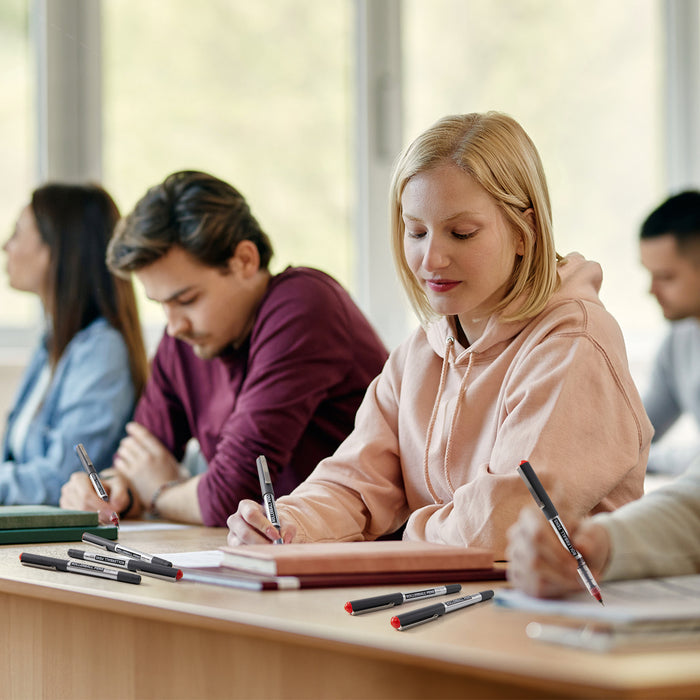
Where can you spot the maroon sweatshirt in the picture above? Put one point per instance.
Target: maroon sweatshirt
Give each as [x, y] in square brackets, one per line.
[289, 392]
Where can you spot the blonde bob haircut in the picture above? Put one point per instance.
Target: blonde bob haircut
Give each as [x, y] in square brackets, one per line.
[495, 150]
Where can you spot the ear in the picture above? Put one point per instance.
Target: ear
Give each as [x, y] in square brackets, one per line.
[245, 259]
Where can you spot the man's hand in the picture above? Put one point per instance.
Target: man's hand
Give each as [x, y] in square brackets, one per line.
[249, 525]
[538, 563]
[144, 462]
[78, 493]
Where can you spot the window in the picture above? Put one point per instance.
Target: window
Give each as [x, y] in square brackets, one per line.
[258, 95]
[18, 312]
[587, 85]
[262, 94]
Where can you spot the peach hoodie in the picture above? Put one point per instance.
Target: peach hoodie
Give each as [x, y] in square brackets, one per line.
[441, 430]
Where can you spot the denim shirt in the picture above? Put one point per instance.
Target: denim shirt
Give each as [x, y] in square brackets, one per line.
[89, 400]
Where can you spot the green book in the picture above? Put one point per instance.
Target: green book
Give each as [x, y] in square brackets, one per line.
[24, 517]
[56, 534]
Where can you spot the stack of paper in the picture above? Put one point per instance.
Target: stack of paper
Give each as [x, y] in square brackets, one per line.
[643, 612]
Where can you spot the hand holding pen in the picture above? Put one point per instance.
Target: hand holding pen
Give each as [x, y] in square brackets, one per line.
[543, 501]
[89, 467]
[540, 566]
[256, 524]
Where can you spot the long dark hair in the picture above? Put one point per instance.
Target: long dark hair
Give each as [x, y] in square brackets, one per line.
[76, 222]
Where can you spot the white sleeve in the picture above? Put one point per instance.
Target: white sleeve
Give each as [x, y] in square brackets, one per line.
[659, 534]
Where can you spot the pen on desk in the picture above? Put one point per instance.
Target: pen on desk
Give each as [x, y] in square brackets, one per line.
[77, 567]
[168, 573]
[89, 467]
[119, 549]
[381, 602]
[432, 612]
[268, 495]
[535, 487]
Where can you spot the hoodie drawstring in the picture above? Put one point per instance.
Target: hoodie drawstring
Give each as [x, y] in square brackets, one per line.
[453, 423]
[449, 349]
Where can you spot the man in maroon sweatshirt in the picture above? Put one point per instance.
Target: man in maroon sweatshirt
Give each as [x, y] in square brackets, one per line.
[251, 363]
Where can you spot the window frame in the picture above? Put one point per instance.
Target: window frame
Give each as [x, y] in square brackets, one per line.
[69, 121]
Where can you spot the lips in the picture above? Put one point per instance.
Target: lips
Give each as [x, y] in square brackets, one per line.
[441, 286]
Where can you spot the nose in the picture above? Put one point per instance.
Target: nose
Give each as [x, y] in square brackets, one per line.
[177, 323]
[435, 255]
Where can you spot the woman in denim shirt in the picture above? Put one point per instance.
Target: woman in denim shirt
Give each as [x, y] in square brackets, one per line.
[83, 380]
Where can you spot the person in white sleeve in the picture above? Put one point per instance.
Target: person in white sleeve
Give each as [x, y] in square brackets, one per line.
[657, 535]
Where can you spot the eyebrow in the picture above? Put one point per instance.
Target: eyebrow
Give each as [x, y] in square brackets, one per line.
[174, 295]
[458, 215]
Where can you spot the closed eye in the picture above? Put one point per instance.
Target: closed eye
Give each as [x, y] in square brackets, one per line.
[464, 236]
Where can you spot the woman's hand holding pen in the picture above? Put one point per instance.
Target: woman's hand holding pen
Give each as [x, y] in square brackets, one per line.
[540, 566]
[250, 525]
[78, 493]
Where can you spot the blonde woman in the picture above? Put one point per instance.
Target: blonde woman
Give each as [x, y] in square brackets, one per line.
[516, 358]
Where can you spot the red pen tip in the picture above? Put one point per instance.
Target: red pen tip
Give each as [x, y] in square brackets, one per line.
[597, 595]
[395, 622]
[348, 607]
[115, 519]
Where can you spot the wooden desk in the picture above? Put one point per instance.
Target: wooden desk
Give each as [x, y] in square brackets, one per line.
[68, 636]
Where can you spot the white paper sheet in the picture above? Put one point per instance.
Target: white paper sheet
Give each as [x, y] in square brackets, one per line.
[636, 602]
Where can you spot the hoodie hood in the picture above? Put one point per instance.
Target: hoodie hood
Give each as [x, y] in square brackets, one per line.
[579, 279]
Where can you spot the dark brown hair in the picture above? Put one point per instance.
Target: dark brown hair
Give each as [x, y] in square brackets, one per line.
[196, 211]
[76, 222]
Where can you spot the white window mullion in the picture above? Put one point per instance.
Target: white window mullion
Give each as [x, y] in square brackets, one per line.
[379, 139]
[682, 76]
[67, 40]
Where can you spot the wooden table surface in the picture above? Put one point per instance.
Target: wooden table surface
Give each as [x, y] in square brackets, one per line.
[74, 636]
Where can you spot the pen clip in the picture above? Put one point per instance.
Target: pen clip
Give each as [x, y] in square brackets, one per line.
[263, 472]
[386, 606]
[83, 456]
[419, 622]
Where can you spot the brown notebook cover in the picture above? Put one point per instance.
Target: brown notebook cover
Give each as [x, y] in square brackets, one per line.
[354, 558]
[223, 576]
